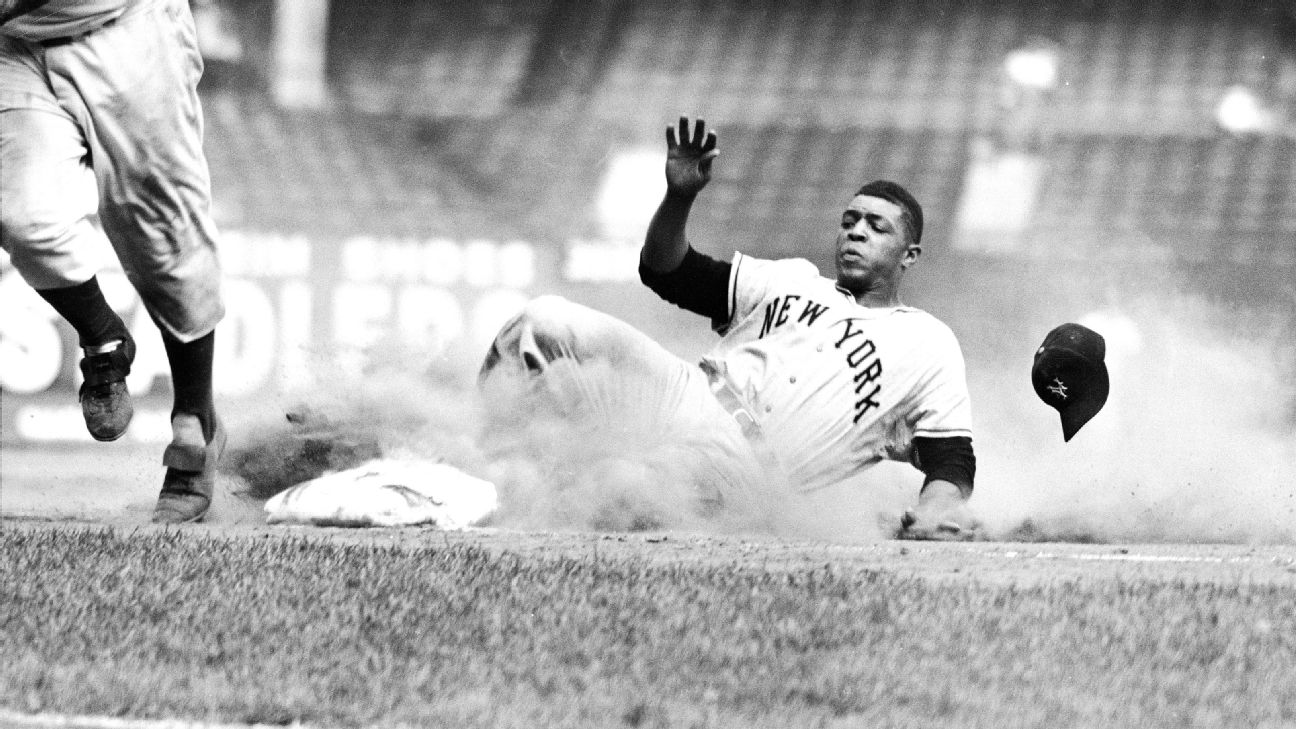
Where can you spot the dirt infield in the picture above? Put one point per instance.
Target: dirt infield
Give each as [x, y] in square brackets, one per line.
[1018, 563]
[101, 483]
[114, 485]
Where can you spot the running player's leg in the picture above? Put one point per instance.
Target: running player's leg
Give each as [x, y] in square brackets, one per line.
[48, 193]
[133, 87]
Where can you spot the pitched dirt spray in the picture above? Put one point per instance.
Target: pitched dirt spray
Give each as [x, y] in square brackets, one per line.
[1197, 443]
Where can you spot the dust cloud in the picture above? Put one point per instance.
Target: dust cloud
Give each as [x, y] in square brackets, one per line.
[1197, 441]
[1196, 444]
[556, 466]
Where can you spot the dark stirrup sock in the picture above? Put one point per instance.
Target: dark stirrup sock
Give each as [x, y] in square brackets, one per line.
[191, 378]
[86, 309]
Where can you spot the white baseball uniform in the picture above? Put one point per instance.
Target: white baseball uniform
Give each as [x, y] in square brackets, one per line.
[821, 386]
[834, 387]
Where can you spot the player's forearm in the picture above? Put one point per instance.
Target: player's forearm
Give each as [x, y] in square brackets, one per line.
[666, 243]
[10, 9]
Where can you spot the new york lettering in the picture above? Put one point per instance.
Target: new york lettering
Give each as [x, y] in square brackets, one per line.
[777, 310]
[862, 358]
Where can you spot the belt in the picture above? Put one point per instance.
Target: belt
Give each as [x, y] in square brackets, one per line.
[733, 404]
[64, 40]
[737, 409]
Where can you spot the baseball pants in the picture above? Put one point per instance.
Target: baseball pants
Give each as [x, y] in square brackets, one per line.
[585, 363]
[112, 121]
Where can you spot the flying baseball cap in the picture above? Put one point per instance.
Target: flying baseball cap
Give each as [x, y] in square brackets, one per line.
[1070, 375]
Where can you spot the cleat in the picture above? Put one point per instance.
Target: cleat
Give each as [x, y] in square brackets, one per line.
[105, 401]
[191, 471]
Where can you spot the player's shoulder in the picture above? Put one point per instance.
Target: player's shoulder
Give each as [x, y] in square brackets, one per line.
[792, 268]
[931, 327]
[921, 317]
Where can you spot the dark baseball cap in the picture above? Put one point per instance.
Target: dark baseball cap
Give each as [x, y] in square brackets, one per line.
[1070, 375]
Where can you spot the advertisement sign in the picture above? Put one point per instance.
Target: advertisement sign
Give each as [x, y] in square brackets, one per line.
[291, 299]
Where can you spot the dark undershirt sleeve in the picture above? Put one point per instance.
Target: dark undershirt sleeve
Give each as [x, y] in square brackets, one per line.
[700, 284]
[948, 459]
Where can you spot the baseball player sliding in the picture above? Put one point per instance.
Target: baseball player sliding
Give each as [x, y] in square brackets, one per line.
[102, 95]
[820, 378]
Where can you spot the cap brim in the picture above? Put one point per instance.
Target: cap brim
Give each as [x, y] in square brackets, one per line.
[1080, 411]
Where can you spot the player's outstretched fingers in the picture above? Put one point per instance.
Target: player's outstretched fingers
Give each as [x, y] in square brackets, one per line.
[699, 133]
[709, 153]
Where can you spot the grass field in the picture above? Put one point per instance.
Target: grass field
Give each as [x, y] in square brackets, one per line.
[422, 628]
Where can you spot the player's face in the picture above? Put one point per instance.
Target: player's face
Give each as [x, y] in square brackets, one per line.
[872, 244]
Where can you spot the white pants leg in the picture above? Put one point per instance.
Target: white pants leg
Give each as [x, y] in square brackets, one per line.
[129, 92]
[586, 365]
[47, 189]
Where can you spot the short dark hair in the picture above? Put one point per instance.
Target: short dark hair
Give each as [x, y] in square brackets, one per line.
[893, 192]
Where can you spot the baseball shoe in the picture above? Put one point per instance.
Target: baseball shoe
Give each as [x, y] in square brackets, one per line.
[191, 471]
[105, 401]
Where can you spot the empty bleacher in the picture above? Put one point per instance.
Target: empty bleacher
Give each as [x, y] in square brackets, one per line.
[495, 117]
[1127, 67]
[448, 58]
[333, 172]
[775, 185]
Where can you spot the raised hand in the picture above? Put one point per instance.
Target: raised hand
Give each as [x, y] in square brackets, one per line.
[689, 157]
